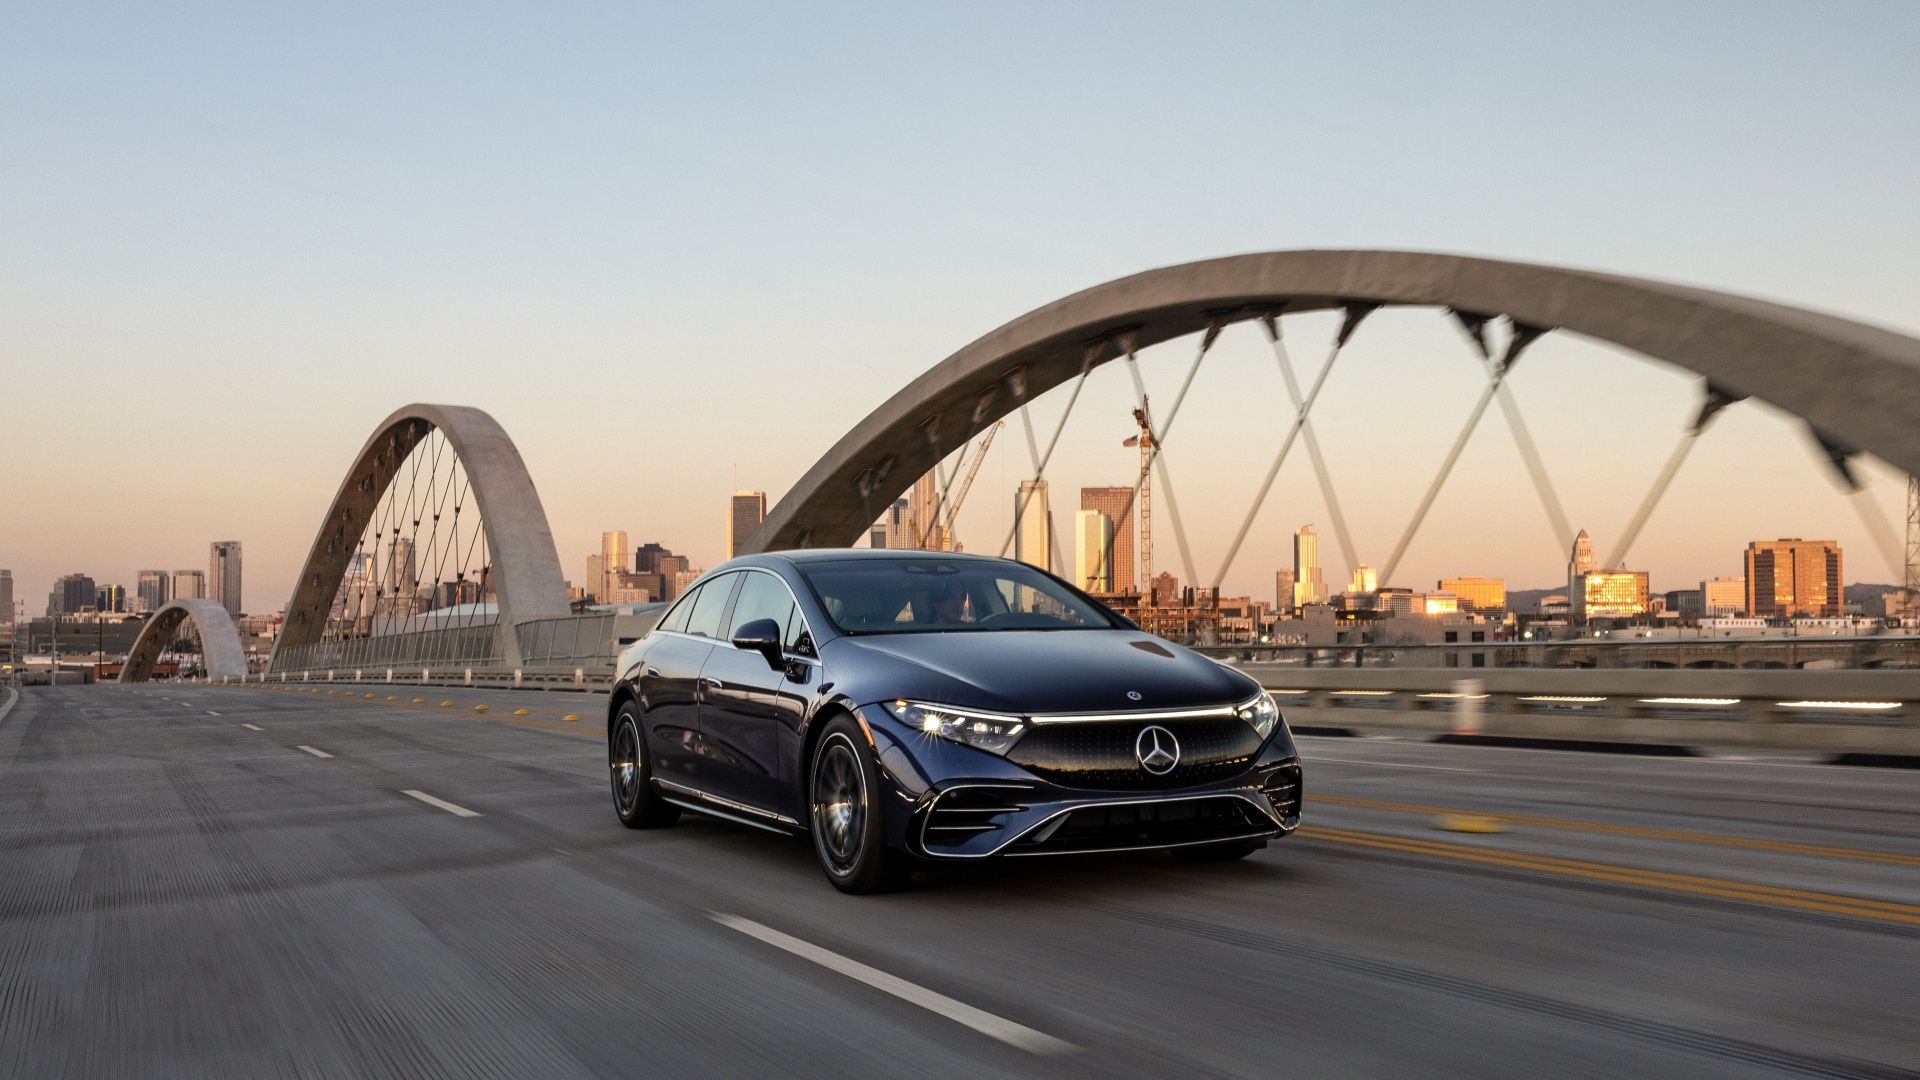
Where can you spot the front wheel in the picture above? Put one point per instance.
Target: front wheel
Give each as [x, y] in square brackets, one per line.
[843, 813]
[634, 799]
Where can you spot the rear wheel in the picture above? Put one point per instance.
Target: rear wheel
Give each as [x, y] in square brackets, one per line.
[1227, 851]
[639, 806]
[843, 813]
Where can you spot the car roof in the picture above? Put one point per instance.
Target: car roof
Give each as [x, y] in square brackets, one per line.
[802, 555]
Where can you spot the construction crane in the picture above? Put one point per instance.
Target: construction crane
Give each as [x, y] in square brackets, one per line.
[1144, 440]
[973, 470]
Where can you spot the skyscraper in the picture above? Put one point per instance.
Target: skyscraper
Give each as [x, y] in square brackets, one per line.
[110, 598]
[1309, 587]
[923, 509]
[223, 574]
[1579, 562]
[613, 562]
[71, 593]
[745, 511]
[1790, 577]
[1365, 579]
[1283, 590]
[189, 585]
[6, 597]
[1092, 547]
[1117, 504]
[1031, 542]
[152, 589]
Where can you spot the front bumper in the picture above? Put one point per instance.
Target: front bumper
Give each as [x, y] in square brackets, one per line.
[953, 802]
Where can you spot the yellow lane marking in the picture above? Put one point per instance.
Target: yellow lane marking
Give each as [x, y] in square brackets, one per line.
[1641, 831]
[519, 712]
[1773, 896]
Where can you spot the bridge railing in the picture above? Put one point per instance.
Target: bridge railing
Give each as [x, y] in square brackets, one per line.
[1890, 651]
[1815, 710]
[576, 650]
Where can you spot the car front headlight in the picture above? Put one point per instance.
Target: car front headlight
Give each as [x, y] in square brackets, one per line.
[1262, 713]
[993, 732]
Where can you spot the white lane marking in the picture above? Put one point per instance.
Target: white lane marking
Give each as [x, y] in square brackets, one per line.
[315, 753]
[253, 727]
[457, 811]
[959, 1012]
[210, 712]
[1388, 764]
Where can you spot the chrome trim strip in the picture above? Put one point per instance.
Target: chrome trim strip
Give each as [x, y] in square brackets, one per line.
[1150, 847]
[728, 803]
[1212, 712]
[714, 811]
[1265, 808]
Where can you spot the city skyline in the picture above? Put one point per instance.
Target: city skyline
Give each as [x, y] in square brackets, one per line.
[615, 263]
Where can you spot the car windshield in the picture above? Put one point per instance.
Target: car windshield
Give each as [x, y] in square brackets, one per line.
[935, 595]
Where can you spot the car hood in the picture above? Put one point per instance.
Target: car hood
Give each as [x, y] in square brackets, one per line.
[1034, 671]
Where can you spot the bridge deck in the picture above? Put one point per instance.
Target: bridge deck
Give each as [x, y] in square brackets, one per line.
[204, 881]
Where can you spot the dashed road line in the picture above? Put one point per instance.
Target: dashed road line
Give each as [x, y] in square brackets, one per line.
[315, 753]
[1017, 1035]
[451, 808]
[210, 712]
[253, 727]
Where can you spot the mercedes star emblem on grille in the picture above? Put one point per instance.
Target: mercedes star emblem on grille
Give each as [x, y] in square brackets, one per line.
[1157, 750]
[1133, 695]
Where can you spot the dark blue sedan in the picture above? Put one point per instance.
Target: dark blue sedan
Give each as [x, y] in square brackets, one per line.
[907, 707]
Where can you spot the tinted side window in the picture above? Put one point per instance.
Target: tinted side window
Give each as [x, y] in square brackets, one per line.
[704, 619]
[762, 596]
[676, 619]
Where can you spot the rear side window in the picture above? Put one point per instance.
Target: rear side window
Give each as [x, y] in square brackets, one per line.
[710, 605]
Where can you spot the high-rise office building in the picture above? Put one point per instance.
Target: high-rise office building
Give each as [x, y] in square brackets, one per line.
[1579, 561]
[110, 598]
[189, 585]
[745, 511]
[71, 594]
[1365, 579]
[1032, 542]
[1723, 596]
[1478, 593]
[1610, 594]
[612, 562]
[1309, 586]
[923, 507]
[1283, 590]
[223, 574]
[1790, 577]
[6, 597]
[1117, 504]
[152, 589]
[1092, 547]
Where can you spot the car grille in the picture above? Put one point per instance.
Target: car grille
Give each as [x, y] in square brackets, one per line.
[1100, 755]
[1144, 825]
[962, 813]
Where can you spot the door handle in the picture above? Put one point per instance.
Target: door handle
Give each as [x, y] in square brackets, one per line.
[713, 683]
[652, 672]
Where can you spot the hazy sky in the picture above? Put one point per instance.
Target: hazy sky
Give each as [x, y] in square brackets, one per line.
[671, 246]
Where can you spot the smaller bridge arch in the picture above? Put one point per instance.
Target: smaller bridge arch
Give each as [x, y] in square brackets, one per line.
[220, 647]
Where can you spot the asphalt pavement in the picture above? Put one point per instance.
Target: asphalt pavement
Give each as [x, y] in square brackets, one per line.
[208, 882]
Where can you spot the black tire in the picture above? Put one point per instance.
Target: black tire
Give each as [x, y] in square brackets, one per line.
[634, 799]
[843, 813]
[1227, 851]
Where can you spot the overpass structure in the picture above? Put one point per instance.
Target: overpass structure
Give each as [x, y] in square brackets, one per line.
[434, 561]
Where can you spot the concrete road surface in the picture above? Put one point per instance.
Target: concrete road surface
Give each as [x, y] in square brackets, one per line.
[201, 882]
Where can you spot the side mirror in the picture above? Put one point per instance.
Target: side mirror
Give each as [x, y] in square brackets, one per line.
[761, 636]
